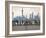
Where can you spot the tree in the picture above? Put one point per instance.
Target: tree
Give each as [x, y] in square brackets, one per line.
[17, 21]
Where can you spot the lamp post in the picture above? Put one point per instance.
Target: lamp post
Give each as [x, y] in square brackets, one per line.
[22, 16]
[32, 18]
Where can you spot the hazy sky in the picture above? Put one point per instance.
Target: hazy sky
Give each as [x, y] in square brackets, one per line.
[17, 11]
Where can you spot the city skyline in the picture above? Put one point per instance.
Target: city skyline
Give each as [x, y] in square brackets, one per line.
[26, 12]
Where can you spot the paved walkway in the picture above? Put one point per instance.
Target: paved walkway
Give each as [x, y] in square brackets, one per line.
[22, 28]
